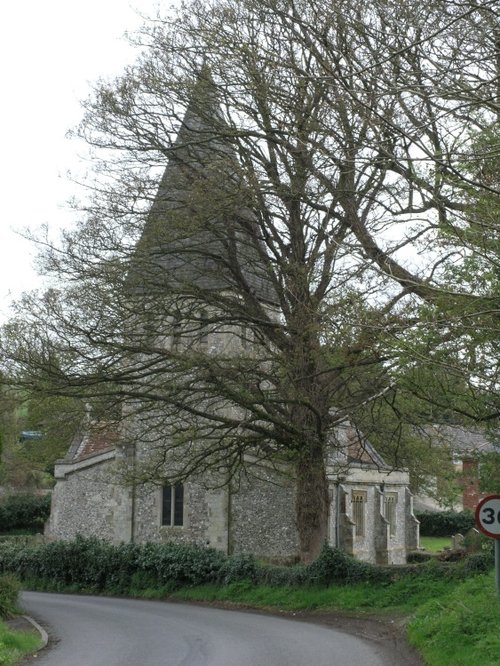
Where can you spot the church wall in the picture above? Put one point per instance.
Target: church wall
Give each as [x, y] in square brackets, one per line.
[256, 517]
[262, 517]
[397, 544]
[363, 547]
[412, 525]
[89, 501]
[376, 544]
[205, 517]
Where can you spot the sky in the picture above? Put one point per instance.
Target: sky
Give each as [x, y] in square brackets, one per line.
[50, 54]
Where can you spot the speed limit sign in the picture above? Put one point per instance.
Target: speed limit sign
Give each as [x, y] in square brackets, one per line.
[488, 516]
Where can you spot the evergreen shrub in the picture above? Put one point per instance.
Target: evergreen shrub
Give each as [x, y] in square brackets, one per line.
[336, 566]
[98, 565]
[445, 523]
[478, 563]
[180, 563]
[25, 511]
[238, 567]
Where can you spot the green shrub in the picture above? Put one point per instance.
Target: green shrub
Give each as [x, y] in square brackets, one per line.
[238, 567]
[332, 566]
[88, 563]
[9, 591]
[336, 566]
[182, 564]
[445, 523]
[478, 563]
[24, 512]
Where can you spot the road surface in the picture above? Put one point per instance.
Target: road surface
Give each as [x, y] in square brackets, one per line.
[100, 631]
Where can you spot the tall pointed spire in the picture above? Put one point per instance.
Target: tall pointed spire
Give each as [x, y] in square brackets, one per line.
[200, 231]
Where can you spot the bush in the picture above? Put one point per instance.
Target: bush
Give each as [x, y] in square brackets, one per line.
[336, 566]
[478, 563]
[9, 591]
[180, 564]
[238, 567]
[445, 523]
[24, 512]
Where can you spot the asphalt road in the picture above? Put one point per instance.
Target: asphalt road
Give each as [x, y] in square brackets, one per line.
[100, 631]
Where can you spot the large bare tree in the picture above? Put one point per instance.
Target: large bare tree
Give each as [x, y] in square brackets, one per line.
[318, 192]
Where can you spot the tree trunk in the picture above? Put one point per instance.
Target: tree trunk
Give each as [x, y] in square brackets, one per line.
[312, 502]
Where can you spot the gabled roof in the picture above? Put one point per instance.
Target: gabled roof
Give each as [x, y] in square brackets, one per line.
[90, 441]
[355, 449]
[200, 234]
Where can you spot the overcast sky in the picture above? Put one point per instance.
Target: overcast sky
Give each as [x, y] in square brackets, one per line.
[50, 53]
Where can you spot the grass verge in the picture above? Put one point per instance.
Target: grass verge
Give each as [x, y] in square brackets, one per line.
[451, 623]
[401, 597]
[460, 628]
[14, 645]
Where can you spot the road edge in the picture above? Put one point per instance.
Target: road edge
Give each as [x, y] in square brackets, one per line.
[43, 634]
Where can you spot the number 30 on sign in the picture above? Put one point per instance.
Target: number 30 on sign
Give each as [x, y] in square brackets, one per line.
[488, 516]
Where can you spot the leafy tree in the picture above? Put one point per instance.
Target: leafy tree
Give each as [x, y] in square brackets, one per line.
[313, 181]
[489, 472]
[28, 463]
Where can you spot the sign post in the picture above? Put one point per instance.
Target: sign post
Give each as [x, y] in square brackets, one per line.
[488, 522]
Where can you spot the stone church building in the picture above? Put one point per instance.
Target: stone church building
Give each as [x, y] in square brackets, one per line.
[371, 514]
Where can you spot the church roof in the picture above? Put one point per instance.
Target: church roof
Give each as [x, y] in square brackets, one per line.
[358, 448]
[90, 441]
[350, 446]
[463, 441]
[200, 234]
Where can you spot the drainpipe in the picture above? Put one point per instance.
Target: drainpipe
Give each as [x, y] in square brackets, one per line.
[133, 496]
[337, 514]
[228, 520]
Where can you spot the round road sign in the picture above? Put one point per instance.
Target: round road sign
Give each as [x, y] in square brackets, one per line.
[488, 516]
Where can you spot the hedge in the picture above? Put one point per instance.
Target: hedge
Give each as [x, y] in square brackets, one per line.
[97, 566]
[445, 523]
[28, 512]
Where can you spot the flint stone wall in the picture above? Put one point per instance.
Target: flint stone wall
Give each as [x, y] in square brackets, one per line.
[262, 517]
[205, 517]
[89, 501]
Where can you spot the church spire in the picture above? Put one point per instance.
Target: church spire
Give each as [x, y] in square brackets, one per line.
[200, 231]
